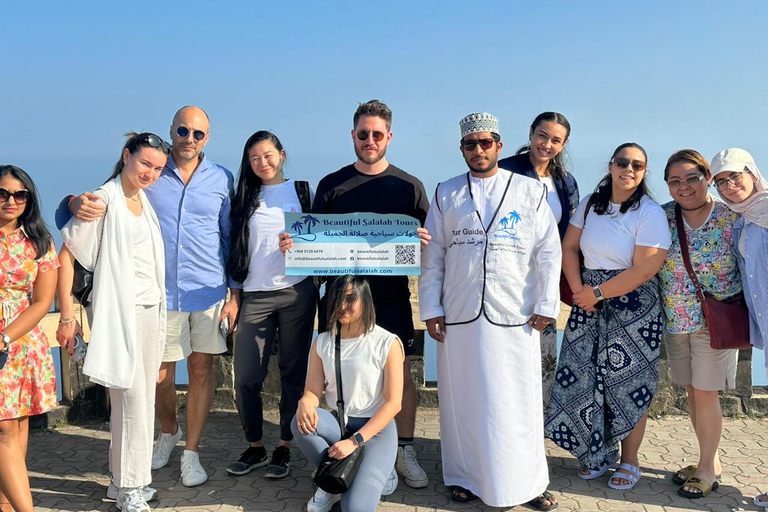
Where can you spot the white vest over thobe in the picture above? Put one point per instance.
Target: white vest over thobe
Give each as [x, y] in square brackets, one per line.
[507, 270]
[487, 280]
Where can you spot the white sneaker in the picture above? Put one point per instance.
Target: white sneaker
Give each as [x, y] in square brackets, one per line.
[408, 466]
[149, 493]
[391, 484]
[192, 473]
[322, 501]
[161, 452]
[131, 500]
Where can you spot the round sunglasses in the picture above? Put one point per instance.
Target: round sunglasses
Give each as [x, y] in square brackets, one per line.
[183, 132]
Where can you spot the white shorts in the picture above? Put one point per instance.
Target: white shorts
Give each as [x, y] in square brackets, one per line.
[197, 331]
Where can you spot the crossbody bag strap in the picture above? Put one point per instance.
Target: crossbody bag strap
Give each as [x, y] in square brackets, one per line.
[686, 257]
[101, 236]
[339, 387]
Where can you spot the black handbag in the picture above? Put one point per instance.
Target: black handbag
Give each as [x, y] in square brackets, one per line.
[82, 280]
[335, 475]
[727, 319]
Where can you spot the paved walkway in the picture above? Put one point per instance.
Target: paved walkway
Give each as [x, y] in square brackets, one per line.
[68, 470]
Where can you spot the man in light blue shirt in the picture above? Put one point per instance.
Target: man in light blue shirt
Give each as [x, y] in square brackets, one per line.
[192, 201]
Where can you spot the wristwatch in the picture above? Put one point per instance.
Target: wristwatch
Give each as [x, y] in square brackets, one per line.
[358, 439]
[598, 292]
[6, 342]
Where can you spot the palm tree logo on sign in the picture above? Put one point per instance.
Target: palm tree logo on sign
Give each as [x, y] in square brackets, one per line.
[508, 223]
[308, 222]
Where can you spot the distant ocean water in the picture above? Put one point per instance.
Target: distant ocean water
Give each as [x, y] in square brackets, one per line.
[759, 377]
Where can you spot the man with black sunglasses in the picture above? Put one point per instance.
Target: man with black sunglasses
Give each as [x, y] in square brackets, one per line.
[489, 285]
[192, 201]
[374, 185]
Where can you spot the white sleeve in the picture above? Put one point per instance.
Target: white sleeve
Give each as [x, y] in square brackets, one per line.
[547, 257]
[653, 227]
[577, 219]
[433, 265]
[82, 238]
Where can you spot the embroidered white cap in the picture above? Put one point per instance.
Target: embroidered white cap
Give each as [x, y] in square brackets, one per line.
[479, 122]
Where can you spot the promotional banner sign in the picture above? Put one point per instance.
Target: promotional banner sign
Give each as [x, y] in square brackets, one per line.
[353, 243]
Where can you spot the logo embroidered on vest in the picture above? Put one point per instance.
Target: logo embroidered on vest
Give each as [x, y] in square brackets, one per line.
[508, 223]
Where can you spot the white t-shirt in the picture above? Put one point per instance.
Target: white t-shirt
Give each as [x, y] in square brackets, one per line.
[608, 241]
[552, 198]
[266, 267]
[362, 370]
[147, 291]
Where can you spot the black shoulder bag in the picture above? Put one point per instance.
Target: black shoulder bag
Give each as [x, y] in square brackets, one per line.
[335, 475]
[82, 281]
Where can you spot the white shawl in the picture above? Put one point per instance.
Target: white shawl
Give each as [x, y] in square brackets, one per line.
[113, 348]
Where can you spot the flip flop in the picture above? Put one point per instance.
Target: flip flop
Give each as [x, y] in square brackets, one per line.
[593, 473]
[697, 483]
[538, 502]
[761, 502]
[689, 471]
[456, 494]
[631, 473]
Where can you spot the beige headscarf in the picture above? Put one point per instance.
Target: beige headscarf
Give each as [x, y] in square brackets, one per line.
[755, 208]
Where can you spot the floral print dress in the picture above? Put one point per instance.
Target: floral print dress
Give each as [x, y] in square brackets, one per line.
[28, 380]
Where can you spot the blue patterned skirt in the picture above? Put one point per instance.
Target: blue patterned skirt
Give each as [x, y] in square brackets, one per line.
[607, 372]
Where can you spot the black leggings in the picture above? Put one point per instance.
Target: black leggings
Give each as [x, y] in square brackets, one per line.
[292, 312]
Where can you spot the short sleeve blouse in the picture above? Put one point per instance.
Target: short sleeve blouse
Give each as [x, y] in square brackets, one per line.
[608, 241]
[714, 260]
[18, 271]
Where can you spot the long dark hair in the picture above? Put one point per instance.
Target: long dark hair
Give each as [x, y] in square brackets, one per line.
[134, 142]
[337, 301]
[245, 202]
[601, 197]
[30, 218]
[558, 163]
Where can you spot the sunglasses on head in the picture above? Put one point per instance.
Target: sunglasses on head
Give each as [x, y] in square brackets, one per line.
[154, 141]
[20, 196]
[471, 144]
[625, 163]
[183, 132]
[691, 181]
[377, 136]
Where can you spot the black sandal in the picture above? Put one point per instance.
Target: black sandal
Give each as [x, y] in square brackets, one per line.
[456, 495]
[538, 502]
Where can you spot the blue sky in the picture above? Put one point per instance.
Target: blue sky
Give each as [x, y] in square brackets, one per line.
[76, 76]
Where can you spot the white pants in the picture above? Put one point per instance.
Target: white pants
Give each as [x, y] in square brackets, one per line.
[133, 410]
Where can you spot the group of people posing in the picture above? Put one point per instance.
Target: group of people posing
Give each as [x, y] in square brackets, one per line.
[181, 254]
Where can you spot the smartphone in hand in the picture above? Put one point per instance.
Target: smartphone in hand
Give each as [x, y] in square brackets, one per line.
[224, 327]
[80, 349]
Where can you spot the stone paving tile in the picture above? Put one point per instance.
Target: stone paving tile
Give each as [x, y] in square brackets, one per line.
[68, 471]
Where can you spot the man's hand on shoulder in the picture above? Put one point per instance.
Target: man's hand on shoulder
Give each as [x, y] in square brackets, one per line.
[87, 207]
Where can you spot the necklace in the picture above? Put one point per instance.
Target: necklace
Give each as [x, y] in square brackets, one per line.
[695, 209]
[132, 198]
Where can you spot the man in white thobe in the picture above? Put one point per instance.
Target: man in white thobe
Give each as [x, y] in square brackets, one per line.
[488, 287]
